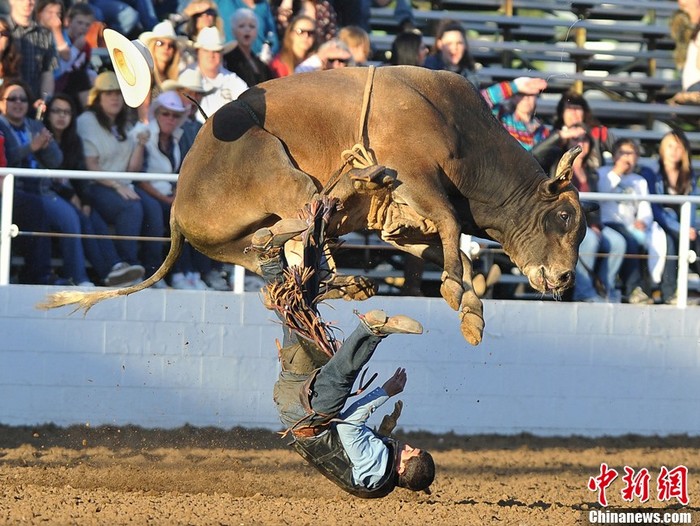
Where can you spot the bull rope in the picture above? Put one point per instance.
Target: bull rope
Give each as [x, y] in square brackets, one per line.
[359, 156]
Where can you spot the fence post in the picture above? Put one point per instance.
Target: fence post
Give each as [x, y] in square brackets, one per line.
[683, 256]
[7, 229]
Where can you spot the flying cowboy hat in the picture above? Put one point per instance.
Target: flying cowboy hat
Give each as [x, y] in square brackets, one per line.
[133, 65]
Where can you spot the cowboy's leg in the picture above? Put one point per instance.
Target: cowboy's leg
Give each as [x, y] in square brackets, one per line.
[333, 383]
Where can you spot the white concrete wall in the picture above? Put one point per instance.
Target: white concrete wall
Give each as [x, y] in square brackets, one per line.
[165, 358]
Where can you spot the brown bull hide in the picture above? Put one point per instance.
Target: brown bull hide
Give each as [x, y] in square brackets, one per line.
[456, 170]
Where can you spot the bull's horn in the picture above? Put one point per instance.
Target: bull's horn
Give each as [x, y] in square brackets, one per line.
[564, 168]
[133, 65]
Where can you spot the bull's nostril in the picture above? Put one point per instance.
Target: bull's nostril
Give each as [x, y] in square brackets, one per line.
[566, 277]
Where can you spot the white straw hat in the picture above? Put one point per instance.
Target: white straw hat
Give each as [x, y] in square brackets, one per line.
[190, 79]
[133, 65]
[210, 39]
[162, 30]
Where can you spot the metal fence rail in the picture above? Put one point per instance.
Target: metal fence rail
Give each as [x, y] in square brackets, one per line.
[470, 245]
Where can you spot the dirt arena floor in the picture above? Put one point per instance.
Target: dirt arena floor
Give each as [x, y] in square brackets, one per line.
[195, 476]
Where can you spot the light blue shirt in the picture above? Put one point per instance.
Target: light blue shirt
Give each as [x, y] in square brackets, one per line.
[367, 452]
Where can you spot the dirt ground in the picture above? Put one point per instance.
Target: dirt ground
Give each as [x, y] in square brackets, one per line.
[196, 476]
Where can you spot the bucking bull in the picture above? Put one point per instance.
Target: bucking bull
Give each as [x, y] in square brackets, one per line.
[437, 164]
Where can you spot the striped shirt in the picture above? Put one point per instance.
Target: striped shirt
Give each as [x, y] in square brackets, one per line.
[528, 134]
[36, 44]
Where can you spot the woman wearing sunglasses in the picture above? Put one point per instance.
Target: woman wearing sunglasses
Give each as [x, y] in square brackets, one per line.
[298, 44]
[162, 154]
[166, 49]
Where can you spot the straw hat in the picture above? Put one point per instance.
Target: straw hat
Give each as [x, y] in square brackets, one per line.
[105, 81]
[190, 79]
[162, 30]
[133, 65]
[210, 39]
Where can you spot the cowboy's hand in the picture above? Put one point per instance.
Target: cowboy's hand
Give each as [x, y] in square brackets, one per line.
[530, 85]
[389, 421]
[396, 383]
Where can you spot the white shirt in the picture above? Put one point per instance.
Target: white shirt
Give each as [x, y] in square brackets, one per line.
[227, 86]
[625, 212]
[691, 73]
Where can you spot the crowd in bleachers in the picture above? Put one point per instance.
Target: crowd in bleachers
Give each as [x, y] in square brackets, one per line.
[62, 108]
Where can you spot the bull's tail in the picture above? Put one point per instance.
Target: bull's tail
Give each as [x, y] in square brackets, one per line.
[85, 300]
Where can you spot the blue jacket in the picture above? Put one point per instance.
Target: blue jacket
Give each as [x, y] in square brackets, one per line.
[666, 215]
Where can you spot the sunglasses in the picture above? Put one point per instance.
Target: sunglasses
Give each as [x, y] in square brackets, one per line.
[167, 43]
[210, 12]
[170, 114]
[307, 32]
[60, 111]
[16, 98]
[339, 60]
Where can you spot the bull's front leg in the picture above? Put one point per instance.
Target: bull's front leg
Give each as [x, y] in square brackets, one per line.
[471, 309]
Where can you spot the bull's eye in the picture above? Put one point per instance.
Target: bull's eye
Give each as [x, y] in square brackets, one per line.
[565, 216]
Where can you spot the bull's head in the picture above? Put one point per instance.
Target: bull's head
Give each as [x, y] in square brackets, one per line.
[547, 248]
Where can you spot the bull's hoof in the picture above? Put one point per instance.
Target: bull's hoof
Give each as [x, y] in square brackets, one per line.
[472, 326]
[451, 291]
[350, 288]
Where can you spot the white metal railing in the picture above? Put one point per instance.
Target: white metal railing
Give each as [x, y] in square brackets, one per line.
[8, 230]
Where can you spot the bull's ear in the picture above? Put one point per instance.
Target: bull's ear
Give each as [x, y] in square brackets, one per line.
[565, 172]
[589, 206]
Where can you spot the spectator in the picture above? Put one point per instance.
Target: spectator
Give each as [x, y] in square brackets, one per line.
[332, 54]
[109, 148]
[298, 44]
[100, 252]
[166, 49]
[29, 144]
[75, 74]
[36, 42]
[9, 55]
[267, 29]
[514, 104]
[128, 17]
[358, 43]
[600, 239]
[163, 155]
[323, 12]
[573, 109]
[451, 52]
[243, 59]
[634, 220]
[225, 85]
[200, 14]
[690, 77]
[408, 49]
[681, 28]
[675, 176]
[49, 14]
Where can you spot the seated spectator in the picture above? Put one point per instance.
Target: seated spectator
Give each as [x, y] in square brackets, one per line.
[358, 43]
[690, 76]
[35, 41]
[266, 26]
[325, 17]
[29, 215]
[200, 14]
[573, 109]
[28, 144]
[408, 49]
[243, 60]
[49, 14]
[128, 17]
[451, 52]
[166, 49]
[332, 54]
[9, 53]
[162, 155]
[100, 252]
[298, 44]
[109, 147]
[223, 85]
[674, 176]
[592, 270]
[634, 220]
[514, 104]
[75, 74]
